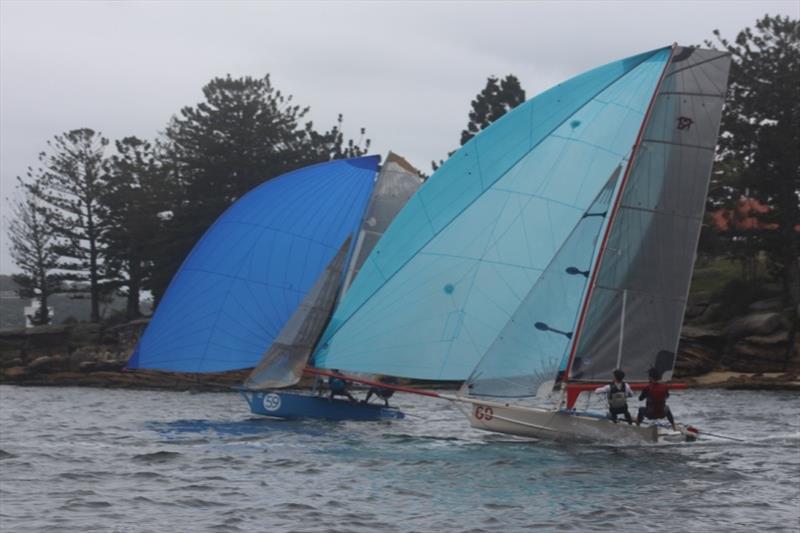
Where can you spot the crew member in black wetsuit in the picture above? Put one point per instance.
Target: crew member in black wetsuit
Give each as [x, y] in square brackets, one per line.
[656, 394]
[382, 392]
[338, 387]
[618, 393]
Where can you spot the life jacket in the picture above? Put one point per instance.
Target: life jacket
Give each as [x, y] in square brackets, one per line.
[657, 399]
[617, 397]
[337, 385]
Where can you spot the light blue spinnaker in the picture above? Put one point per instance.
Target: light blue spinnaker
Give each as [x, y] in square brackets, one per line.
[468, 247]
[251, 269]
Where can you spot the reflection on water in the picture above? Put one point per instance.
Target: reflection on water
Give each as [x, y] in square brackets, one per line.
[160, 461]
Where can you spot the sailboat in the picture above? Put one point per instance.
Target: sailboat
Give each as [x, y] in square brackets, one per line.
[554, 247]
[265, 276]
[285, 361]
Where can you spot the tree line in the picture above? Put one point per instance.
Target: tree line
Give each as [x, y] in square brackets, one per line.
[121, 217]
[124, 222]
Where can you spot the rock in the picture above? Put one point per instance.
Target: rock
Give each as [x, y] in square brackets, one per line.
[48, 363]
[695, 311]
[110, 366]
[697, 333]
[772, 304]
[41, 364]
[87, 366]
[778, 338]
[694, 359]
[10, 363]
[756, 324]
[751, 357]
[16, 372]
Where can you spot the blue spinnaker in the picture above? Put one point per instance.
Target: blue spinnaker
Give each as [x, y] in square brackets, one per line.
[249, 272]
[464, 252]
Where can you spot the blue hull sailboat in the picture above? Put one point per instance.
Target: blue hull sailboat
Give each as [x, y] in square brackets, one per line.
[258, 288]
[554, 247]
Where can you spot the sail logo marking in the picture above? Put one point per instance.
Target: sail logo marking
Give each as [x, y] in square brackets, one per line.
[271, 402]
[685, 123]
[483, 412]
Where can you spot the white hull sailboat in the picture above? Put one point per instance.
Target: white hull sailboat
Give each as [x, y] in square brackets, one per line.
[557, 244]
[567, 425]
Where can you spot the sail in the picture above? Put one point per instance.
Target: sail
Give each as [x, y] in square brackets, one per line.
[530, 349]
[635, 309]
[250, 271]
[468, 247]
[283, 364]
[396, 183]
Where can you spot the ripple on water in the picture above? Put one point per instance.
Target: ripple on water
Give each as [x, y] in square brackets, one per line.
[157, 457]
[172, 462]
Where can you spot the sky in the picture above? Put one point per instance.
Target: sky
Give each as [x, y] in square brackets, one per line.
[405, 71]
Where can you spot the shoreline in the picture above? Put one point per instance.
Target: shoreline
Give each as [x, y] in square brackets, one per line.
[226, 382]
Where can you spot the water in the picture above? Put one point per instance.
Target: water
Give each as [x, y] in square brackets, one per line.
[77, 459]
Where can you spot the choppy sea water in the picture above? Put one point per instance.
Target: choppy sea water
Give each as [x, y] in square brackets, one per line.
[75, 459]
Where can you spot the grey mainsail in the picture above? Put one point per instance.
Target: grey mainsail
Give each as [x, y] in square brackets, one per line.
[395, 184]
[283, 364]
[635, 309]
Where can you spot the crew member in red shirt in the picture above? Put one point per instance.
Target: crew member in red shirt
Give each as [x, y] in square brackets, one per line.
[656, 394]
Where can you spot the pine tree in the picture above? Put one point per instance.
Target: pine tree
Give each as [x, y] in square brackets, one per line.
[761, 136]
[496, 99]
[72, 181]
[760, 142]
[244, 133]
[33, 247]
[130, 203]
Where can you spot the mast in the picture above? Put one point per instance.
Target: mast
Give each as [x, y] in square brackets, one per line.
[612, 217]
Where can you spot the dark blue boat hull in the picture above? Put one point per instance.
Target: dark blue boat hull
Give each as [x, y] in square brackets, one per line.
[282, 404]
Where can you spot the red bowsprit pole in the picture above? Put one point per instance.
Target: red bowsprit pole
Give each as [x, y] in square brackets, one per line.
[574, 389]
[400, 388]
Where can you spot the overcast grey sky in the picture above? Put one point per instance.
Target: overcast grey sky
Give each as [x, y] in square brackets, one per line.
[406, 71]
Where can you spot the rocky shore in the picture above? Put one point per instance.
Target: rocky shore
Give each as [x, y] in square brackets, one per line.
[748, 352]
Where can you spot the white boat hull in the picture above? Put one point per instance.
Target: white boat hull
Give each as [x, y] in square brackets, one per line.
[565, 425]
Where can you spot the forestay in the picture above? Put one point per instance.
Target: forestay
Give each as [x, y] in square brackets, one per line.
[252, 268]
[636, 306]
[459, 259]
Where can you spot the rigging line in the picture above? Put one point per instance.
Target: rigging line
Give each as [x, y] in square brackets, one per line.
[612, 82]
[612, 217]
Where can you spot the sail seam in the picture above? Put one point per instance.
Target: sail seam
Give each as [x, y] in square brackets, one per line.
[705, 95]
[660, 212]
[684, 145]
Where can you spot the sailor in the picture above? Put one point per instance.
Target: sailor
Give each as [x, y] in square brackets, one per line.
[338, 386]
[618, 393]
[382, 392]
[656, 394]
